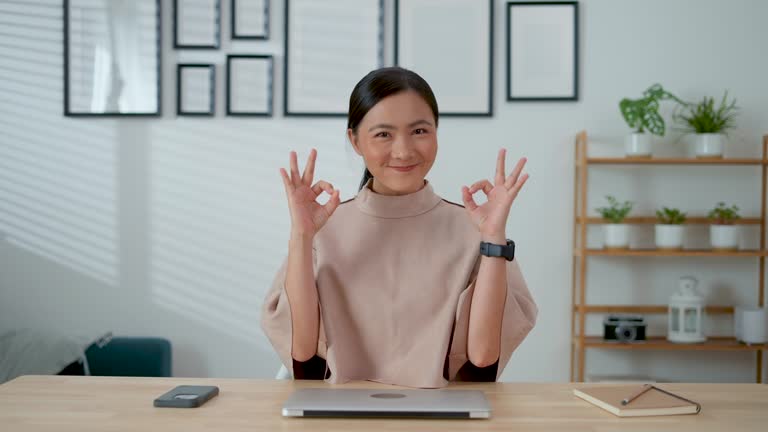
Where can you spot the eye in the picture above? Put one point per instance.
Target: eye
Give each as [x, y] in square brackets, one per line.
[420, 131]
[381, 134]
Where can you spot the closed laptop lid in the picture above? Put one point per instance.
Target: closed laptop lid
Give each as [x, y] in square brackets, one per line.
[324, 402]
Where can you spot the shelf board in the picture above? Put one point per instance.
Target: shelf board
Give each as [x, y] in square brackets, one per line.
[651, 220]
[645, 309]
[674, 161]
[662, 344]
[670, 253]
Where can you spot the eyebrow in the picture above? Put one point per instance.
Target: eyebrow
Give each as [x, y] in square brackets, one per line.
[388, 126]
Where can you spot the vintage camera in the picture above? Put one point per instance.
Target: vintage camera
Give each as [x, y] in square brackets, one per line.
[624, 328]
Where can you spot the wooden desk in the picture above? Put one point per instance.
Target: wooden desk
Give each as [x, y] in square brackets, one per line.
[57, 403]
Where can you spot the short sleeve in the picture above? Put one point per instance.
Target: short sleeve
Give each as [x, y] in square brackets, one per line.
[518, 320]
[276, 324]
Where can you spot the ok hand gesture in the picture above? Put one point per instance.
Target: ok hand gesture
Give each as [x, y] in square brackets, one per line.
[307, 215]
[491, 217]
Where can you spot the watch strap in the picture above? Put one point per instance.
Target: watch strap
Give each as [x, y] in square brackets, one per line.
[506, 251]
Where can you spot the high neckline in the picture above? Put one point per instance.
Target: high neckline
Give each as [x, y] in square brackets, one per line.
[396, 206]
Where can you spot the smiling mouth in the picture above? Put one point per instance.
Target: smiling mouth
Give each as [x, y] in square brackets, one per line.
[404, 168]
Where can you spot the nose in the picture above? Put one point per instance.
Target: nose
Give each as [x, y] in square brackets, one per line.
[402, 148]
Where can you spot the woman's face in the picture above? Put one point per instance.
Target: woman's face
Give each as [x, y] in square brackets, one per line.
[397, 139]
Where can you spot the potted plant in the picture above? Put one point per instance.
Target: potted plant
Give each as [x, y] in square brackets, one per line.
[616, 233]
[643, 116]
[723, 234]
[709, 123]
[669, 230]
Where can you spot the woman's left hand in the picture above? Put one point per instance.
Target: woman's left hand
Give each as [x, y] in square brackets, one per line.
[491, 217]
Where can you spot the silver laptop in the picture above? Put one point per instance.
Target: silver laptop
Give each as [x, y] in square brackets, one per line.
[324, 402]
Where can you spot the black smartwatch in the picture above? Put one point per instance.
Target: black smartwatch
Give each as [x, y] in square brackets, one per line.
[493, 250]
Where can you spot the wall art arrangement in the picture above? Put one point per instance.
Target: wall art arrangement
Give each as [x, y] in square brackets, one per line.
[113, 55]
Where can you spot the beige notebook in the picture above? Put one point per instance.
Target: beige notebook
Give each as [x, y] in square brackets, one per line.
[654, 402]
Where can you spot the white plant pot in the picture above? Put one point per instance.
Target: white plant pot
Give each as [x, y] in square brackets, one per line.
[709, 145]
[751, 324]
[638, 145]
[669, 236]
[724, 237]
[616, 236]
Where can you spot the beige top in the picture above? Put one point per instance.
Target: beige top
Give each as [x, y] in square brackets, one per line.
[395, 277]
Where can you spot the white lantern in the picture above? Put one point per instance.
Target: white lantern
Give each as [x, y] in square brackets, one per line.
[686, 313]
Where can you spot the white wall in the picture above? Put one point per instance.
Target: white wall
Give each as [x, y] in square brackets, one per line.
[175, 226]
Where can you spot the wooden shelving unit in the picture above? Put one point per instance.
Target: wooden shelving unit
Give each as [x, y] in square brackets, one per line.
[580, 309]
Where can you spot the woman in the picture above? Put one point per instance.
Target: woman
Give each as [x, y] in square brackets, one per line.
[391, 285]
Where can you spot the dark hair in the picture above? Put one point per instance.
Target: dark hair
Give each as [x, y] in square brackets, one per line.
[379, 84]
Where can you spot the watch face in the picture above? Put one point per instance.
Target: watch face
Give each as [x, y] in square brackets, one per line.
[510, 250]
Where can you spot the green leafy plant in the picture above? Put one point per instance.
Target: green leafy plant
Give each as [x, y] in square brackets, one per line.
[643, 114]
[670, 216]
[616, 211]
[722, 215]
[705, 117]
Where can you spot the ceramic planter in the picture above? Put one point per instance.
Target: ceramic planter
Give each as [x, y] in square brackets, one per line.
[638, 145]
[669, 236]
[724, 237]
[709, 145]
[616, 236]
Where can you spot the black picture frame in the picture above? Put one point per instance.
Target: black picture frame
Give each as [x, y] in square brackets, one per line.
[233, 23]
[216, 44]
[287, 111]
[66, 73]
[488, 112]
[574, 96]
[180, 89]
[270, 84]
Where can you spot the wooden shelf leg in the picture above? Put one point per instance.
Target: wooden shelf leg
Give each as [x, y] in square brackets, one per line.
[582, 287]
[761, 287]
[573, 348]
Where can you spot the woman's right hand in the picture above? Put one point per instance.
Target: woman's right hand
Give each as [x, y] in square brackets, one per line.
[307, 215]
